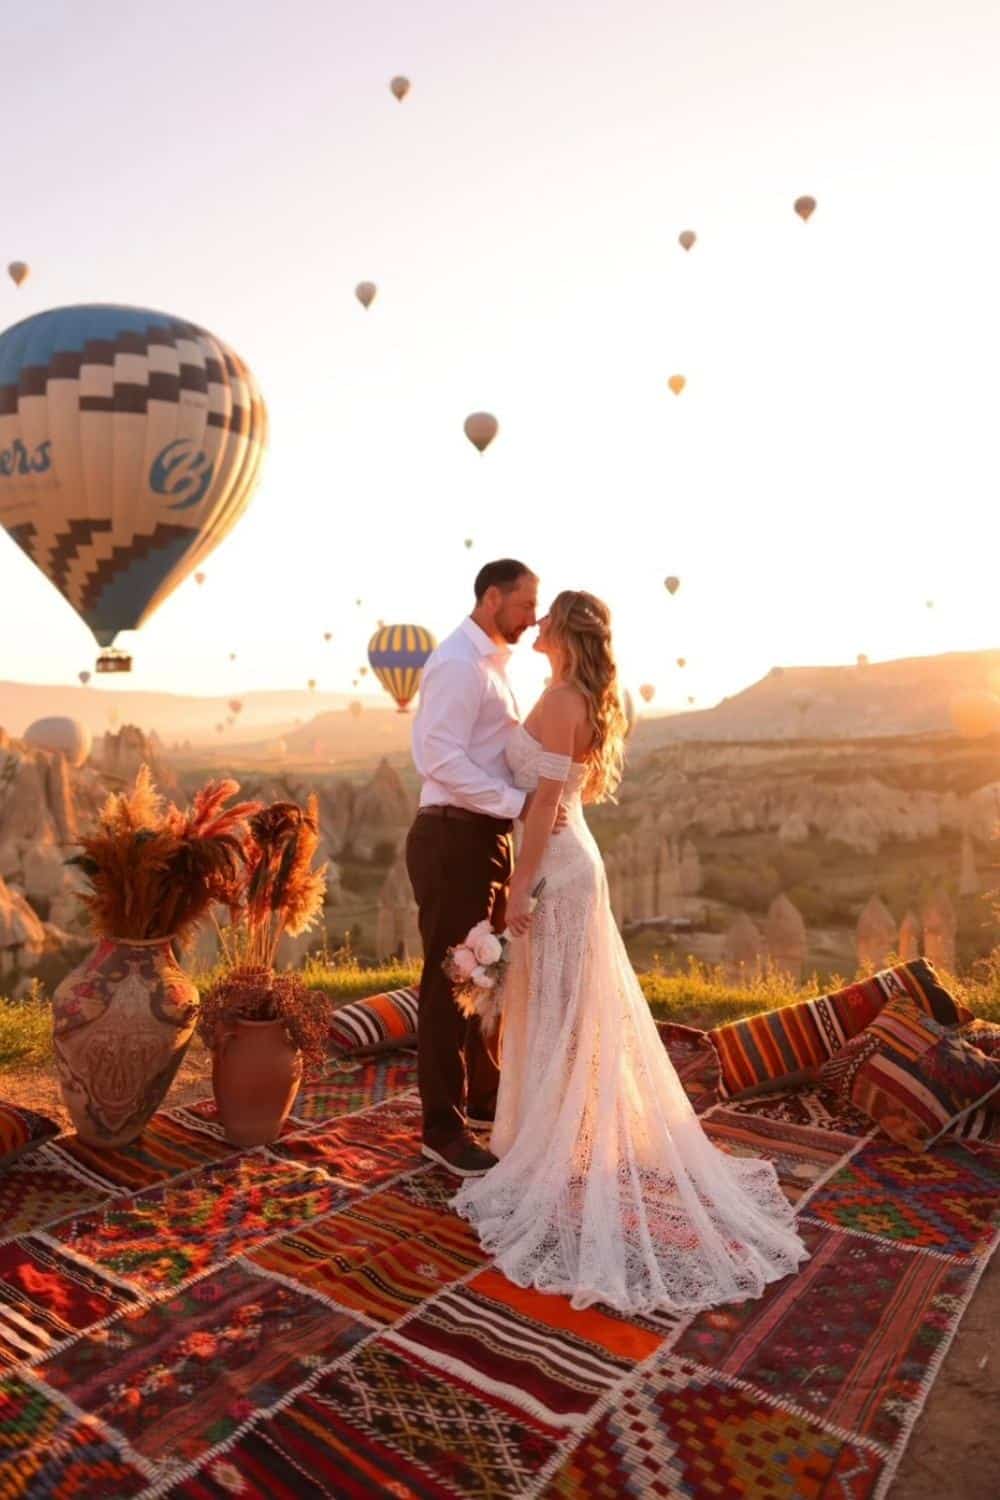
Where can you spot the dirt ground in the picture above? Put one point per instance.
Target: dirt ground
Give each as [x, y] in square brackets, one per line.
[954, 1453]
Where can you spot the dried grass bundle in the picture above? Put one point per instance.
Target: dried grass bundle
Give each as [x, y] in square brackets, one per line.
[155, 871]
[277, 890]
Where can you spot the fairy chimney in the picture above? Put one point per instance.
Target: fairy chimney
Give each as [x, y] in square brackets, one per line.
[968, 879]
[939, 932]
[397, 932]
[909, 937]
[742, 950]
[876, 934]
[786, 937]
[690, 870]
[22, 936]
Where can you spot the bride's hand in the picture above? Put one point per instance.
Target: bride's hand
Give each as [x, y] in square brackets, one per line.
[519, 906]
[561, 814]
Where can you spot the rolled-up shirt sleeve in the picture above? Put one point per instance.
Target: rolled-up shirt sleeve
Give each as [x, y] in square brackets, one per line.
[449, 702]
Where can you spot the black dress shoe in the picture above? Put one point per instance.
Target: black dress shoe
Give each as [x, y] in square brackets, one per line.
[461, 1157]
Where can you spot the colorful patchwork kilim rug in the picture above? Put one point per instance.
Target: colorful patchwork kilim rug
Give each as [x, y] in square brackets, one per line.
[179, 1318]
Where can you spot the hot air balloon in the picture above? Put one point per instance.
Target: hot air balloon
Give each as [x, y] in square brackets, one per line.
[975, 714]
[468, 541]
[400, 88]
[311, 684]
[355, 709]
[862, 659]
[929, 604]
[359, 602]
[230, 719]
[84, 677]
[677, 383]
[686, 238]
[365, 293]
[18, 271]
[199, 579]
[648, 692]
[690, 699]
[481, 428]
[130, 445]
[328, 635]
[671, 585]
[235, 705]
[232, 656]
[362, 671]
[682, 661]
[70, 737]
[354, 682]
[397, 654]
[805, 207]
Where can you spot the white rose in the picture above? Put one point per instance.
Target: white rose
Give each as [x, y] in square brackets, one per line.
[464, 960]
[487, 948]
[482, 980]
[478, 931]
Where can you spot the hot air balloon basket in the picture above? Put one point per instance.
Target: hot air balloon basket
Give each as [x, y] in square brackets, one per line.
[114, 661]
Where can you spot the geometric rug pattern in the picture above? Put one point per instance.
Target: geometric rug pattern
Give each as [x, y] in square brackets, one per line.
[183, 1318]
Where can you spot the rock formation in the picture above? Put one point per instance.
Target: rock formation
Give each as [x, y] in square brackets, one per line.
[968, 879]
[22, 936]
[786, 937]
[939, 932]
[397, 933]
[382, 812]
[909, 937]
[743, 950]
[876, 934]
[649, 871]
[121, 752]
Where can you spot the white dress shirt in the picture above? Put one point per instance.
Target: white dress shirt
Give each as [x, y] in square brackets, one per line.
[467, 710]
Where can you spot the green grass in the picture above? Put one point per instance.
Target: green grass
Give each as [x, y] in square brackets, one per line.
[700, 996]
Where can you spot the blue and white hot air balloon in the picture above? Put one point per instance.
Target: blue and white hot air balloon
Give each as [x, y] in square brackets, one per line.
[130, 445]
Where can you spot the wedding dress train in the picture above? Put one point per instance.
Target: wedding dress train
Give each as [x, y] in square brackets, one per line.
[607, 1187]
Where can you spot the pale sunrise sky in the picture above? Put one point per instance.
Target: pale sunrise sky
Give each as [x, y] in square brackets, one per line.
[833, 461]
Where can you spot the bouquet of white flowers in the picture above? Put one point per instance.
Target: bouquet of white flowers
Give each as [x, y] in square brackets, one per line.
[476, 967]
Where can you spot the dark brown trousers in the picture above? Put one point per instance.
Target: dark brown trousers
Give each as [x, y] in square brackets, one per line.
[459, 871]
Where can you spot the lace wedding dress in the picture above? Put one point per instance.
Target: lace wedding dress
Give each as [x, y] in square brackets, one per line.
[607, 1188]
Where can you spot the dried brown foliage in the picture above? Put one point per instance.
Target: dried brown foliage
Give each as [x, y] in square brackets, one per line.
[256, 993]
[154, 870]
[276, 890]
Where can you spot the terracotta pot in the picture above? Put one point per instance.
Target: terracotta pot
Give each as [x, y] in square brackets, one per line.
[122, 1022]
[256, 1072]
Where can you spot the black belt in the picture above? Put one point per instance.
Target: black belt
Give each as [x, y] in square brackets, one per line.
[502, 825]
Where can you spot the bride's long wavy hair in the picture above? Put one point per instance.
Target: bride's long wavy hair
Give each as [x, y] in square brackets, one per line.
[580, 625]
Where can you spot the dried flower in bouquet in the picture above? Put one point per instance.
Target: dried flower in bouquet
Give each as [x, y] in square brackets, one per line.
[276, 890]
[155, 871]
[258, 994]
[477, 967]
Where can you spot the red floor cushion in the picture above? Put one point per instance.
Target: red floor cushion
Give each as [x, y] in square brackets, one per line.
[799, 1038]
[912, 1076]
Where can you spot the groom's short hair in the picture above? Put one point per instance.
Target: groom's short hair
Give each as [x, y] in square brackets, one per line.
[504, 574]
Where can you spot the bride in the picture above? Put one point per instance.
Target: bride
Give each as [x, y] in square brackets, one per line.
[606, 1189]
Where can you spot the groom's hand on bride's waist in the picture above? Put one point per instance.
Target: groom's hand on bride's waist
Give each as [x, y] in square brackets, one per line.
[561, 814]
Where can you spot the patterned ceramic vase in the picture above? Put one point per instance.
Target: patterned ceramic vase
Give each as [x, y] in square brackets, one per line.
[122, 1022]
[256, 1072]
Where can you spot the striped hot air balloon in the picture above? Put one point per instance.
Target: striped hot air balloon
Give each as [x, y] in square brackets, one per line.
[130, 445]
[397, 654]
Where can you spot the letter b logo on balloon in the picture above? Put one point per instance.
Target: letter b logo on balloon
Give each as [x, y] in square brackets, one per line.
[181, 469]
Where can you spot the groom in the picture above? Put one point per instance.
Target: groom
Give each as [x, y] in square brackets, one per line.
[459, 849]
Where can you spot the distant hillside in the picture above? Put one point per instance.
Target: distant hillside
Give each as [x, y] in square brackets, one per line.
[910, 696]
[172, 715]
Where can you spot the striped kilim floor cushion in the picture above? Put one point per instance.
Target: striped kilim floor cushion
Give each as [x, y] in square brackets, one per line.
[310, 1319]
[796, 1038]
